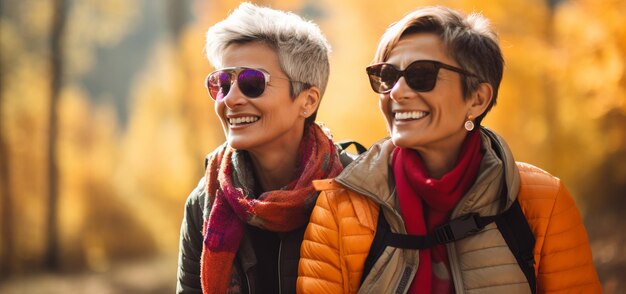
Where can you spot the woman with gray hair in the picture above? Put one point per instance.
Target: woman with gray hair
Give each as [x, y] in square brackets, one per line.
[245, 221]
[441, 206]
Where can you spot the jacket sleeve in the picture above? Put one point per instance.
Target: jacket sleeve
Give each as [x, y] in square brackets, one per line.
[320, 269]
[190, 248]
[566, 264]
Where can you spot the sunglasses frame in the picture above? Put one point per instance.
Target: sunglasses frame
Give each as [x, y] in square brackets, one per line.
[401, 73]
[237, 71]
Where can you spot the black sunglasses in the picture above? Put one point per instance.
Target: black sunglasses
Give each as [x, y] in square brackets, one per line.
[420, 75]
[251, 81]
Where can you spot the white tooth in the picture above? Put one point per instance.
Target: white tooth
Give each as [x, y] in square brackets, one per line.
[409, 115]
[245, 119]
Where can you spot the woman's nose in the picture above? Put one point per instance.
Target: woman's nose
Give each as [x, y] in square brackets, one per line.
[234, 97]
[400, 90]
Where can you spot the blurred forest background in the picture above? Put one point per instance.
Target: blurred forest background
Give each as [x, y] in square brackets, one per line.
[104, 123]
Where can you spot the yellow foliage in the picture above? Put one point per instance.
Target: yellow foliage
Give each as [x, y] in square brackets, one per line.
[561, 106]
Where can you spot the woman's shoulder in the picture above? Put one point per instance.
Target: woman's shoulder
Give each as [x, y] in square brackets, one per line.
[540, 192]
[333, 189]
[198, 194]
[195, 205]
[532, 177]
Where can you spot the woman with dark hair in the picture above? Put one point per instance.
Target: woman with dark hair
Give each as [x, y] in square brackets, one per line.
[439, 182]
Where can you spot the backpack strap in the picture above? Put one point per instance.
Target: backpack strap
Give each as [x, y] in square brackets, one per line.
[345, 144]
[514, 227]
[378, 245]
[454, 230]
[511, 223]
[519, 237]
[345, 156]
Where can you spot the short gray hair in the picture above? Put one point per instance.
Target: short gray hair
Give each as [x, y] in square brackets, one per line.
[301, 47]
[468, 39]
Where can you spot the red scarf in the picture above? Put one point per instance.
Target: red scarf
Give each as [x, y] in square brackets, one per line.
[426, 203]
[278, 211]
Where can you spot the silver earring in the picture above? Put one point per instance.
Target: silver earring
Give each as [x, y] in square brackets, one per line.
[305, 113]
[469, 124]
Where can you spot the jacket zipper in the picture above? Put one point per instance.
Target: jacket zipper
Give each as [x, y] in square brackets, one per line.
[280, 249]
[248, 282]
[245, 276]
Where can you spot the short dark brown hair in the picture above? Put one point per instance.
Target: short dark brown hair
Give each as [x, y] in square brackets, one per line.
[469, 40]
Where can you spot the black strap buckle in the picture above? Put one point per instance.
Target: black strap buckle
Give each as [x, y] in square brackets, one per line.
[458, 228]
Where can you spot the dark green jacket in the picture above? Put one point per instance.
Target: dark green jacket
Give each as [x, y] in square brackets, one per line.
[191, 239]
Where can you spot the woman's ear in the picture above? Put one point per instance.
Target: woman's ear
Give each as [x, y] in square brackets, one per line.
[480, 100]
[311, 100]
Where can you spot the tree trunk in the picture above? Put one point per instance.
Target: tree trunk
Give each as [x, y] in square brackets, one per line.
[56, 81]
[6, 233]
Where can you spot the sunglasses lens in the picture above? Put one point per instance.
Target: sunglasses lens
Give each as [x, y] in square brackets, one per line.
[251, 82]
[382, 77]
[218, 84]
[421, 76]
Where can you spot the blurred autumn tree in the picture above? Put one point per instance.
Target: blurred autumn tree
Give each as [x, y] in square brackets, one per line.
[112, 201]
[134, 120]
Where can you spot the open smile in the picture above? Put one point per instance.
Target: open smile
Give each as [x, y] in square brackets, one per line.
[408, 115]
[241, 121]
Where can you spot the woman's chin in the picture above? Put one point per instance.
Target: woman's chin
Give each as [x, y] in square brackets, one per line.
[237, 144]
[401, 140]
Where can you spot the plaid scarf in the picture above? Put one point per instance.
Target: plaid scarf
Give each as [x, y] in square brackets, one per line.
[233, 204]
[427, 203]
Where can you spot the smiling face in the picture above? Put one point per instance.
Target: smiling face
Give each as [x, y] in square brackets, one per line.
[430, 120]
[272, 120]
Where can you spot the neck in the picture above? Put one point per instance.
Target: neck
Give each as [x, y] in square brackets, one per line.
[441, 159]
[275, 167]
